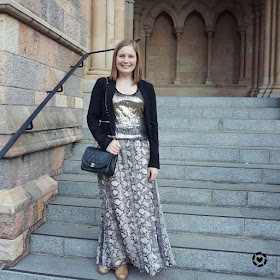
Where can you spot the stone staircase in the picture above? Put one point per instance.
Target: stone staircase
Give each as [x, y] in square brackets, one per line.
[220, 190]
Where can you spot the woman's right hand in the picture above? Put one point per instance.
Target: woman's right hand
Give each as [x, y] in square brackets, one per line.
[114, 147]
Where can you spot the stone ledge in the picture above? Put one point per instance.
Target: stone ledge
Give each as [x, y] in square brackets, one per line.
[13, 200]
[52, 127]
[37, 141]
[17, 11]
[50, 118]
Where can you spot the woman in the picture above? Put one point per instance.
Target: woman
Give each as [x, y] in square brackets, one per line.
[132, 226]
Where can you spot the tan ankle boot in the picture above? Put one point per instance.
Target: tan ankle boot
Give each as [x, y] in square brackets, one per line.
[121, 272]
[103, 270]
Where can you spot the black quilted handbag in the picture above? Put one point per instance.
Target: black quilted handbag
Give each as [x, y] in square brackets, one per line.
[95, 159]
[98, 161]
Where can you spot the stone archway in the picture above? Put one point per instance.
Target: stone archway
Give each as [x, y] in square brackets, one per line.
[156, 10]
[162, 51]
[194, 27]
[165, 13]
[238, 15]
[226, 50]
[193, 50]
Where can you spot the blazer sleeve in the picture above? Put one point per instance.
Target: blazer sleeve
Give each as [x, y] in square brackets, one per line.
[154, 142]
[97, 102]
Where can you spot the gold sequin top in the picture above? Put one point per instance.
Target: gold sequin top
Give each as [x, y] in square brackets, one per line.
[129, 111]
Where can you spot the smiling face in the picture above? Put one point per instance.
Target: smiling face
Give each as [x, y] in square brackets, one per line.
[126, 60]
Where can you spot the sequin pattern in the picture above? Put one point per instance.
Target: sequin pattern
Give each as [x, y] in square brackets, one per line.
[129, 111]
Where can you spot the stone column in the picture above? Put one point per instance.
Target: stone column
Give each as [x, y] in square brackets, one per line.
[178, 32]
[277, 60]
[147, 49]
[267, 48]
[209, 56]
[138, 9]
[261, 44]
[129, 14]
[119, 20]
[242, 56]
[276, 86]
[255, 74]
[272, 49]
[98, 41]
[110, 32]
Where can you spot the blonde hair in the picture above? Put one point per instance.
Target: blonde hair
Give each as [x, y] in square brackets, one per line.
[137, 72]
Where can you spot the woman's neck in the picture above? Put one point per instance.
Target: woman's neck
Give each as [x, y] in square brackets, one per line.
[125, 78]
[125, 85]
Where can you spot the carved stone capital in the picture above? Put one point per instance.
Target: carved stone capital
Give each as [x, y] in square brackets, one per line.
[138, 9]
[242, 30]
[209, 29]
[178, 31]
[148, 32]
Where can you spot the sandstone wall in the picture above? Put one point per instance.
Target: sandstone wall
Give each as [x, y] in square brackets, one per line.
[39, 41]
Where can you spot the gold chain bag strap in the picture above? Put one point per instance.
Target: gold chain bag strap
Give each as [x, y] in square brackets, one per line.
[96, 160]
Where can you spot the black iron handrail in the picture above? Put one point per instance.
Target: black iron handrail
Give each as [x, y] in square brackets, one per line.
[28, 125]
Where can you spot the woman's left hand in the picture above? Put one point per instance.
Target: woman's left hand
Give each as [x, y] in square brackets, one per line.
[152, 173]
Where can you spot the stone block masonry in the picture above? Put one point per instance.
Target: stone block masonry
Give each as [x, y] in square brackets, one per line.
[60, 13]
[39, 41]
[9, 25]
[19, 170]
[22, 209]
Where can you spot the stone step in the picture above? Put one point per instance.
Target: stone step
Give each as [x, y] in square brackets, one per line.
[218, 113]
[80, 241]
[226, 114]
[202, 102]
[57, 239]
[220, 172]
[238, 154]
[185, 192]
[220, 139]
[82, 185]
[233, 154]
[218, 124]
[213, 138]
[218, 102]
[218, 119]
[49, 267]
[223, 221]
[225, 125]
[219, 194]
[203, 171]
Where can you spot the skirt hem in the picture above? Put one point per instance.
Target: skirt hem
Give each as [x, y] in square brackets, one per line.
[141, 270]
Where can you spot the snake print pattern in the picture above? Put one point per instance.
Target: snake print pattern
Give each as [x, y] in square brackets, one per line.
[132, 224]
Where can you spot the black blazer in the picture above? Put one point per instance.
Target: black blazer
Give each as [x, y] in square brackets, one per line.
[101, 126]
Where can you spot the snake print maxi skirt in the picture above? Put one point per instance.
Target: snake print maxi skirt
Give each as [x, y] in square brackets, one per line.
[132, 225]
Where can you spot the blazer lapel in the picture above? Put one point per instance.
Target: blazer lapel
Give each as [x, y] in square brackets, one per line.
[145, 95]
[111, 112]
